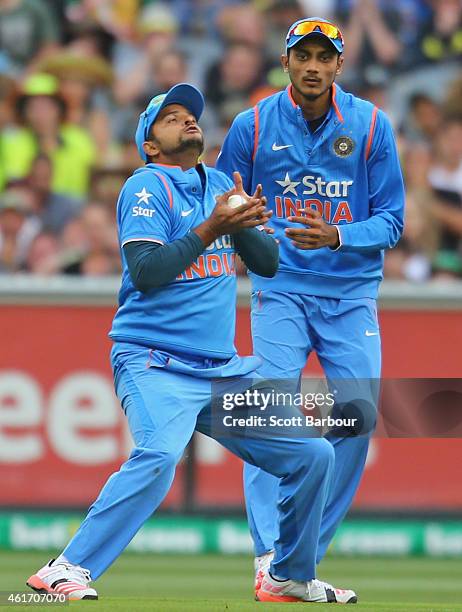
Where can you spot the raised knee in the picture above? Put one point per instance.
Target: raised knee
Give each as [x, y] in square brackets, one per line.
[359, 418]
[324, 453]
[317, 452]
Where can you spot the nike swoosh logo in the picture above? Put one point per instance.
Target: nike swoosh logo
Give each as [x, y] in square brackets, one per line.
[276, 147]
[185, 213]
[369, 333]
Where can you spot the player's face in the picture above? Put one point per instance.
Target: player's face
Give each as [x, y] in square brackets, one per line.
[312, 65]
[175, 130]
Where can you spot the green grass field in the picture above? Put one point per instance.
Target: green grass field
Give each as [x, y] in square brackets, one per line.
[168, 583]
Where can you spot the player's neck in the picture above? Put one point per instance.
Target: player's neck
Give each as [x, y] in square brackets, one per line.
[186, 159]
[313, 109]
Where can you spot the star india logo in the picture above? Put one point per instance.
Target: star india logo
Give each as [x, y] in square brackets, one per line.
[289, 186]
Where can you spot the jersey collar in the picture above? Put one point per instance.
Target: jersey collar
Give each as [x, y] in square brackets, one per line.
[338, 99]
[176, 172]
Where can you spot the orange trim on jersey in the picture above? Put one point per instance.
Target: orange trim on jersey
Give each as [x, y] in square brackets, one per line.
[334, 103]
[291, 98]
[167, 188]
[255, 135]
[371, 132]
[168, 165]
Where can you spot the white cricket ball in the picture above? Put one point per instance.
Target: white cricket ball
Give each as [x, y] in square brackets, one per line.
[235, 200]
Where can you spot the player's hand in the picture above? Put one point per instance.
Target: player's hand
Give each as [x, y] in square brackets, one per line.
[227, 220]
[314, 234]
[238, 189]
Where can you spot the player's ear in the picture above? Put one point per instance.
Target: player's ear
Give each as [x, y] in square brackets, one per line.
[150, 148]
[339, 64]
[285, 62]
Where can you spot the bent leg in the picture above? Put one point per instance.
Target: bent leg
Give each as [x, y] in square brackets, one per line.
[302, 469]
[161, 423]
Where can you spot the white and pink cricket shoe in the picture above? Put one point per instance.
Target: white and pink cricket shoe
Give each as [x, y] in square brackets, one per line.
[62, 578]
[262, 565]
[314, 591]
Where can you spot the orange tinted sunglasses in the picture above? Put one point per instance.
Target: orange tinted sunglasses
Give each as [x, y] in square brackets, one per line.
[307, 27]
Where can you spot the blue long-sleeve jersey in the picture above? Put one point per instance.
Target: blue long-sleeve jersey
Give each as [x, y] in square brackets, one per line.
[195, 312]
[348, 170]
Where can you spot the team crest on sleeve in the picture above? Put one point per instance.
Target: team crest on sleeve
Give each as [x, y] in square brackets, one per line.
[344, 146]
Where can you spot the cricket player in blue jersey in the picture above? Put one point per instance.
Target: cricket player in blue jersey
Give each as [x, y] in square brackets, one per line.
[329, 167]
[173, 334]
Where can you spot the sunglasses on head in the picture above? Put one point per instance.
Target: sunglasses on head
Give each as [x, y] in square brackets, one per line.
[307, 27]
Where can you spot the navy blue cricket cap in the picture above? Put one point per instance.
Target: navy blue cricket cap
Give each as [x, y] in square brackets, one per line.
[314, 26]
[185, 94]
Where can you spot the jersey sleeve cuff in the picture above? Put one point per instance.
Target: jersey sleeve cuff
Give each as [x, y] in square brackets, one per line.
[339, 233]
[142, 239]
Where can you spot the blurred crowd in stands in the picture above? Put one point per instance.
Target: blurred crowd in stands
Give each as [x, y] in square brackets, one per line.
[75, 74]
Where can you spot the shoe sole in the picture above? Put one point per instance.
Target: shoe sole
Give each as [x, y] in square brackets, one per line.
[268, 598]
[36, 584]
